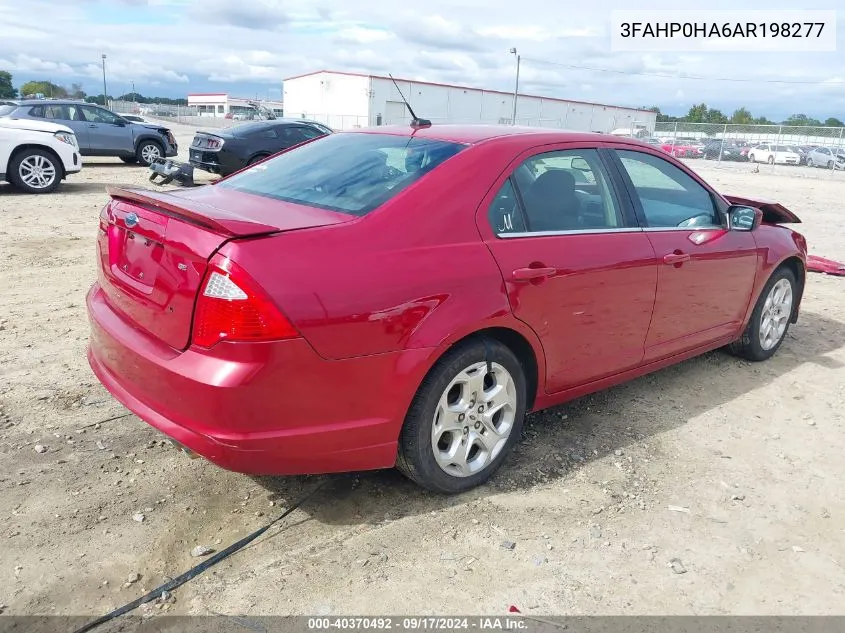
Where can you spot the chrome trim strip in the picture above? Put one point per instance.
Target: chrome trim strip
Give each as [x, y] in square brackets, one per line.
[569, 232]
[661, 229]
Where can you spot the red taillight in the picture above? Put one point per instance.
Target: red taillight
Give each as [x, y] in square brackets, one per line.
[231, 307]
[105, 217]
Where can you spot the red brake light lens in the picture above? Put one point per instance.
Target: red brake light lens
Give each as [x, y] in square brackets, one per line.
[231, 307]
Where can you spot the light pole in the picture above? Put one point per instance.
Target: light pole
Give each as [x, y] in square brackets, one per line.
[516, 87]
[105, 98]
[134, 98]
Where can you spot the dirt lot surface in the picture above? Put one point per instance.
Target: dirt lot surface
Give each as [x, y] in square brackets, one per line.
[730, 469]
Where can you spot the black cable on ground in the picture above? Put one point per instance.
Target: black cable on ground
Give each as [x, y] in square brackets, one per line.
[196, 571]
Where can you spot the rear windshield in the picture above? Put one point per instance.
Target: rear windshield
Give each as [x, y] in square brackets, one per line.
[351, 173]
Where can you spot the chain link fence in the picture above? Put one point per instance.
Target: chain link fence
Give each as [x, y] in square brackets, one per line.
[819, 147]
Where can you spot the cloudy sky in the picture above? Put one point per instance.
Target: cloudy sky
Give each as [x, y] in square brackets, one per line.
[246, 47]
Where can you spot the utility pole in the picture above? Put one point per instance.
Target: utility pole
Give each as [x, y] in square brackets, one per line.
[134, 98]
[105, 92]
[516, 87]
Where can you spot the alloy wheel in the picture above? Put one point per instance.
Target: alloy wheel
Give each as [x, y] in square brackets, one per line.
[774, 318]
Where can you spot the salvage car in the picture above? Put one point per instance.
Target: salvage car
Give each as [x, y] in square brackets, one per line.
[226, 151]
[403, 296]
[826, 157]
[100, 132]
[718, 149]
[35, 156]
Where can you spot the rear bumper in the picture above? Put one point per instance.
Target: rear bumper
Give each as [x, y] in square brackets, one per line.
[270, 408]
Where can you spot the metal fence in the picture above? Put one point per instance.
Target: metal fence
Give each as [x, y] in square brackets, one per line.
[754, 134]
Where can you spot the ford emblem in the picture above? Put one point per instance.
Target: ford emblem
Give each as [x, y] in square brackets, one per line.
[131, 220]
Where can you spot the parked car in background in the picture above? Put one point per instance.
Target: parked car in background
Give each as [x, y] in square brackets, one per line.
[404, 296]
[826, 157]
[802, 153]
[773, 154]
[728, 150]
[35, 156]
[680, 148]
[100, 132]
[226, 151]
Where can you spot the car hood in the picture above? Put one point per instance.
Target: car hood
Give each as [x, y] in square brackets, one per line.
[33, 125]
[149, 126]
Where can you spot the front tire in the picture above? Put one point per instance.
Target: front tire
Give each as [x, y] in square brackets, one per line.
[771, 160]
[464, 420]
[809, 162]
[751, 158]
[148, 152]
[35, 171]
[769, 322]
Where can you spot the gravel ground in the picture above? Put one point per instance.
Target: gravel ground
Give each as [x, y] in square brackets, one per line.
[712, 487]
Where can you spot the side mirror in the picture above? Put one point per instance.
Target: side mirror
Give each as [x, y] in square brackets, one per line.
[580, 164]
[742, 218]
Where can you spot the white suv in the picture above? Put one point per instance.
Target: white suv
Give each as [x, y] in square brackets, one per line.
[35, 156]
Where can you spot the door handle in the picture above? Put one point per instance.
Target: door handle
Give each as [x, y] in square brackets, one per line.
[524, 274]
[675, 258]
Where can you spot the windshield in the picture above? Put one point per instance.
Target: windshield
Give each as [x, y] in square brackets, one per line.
[7, 109]
[351, 173]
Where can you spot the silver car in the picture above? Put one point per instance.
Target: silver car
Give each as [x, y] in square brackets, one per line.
[831, 158]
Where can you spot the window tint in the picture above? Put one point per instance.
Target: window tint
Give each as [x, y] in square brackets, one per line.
[310, 132]
[37, 111]
[560, 191]
[344, 172]
[669, 197]
[54, 112]
[265, 133]
[74, 113]
[98, 115]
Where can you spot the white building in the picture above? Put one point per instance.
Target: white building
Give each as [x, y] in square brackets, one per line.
[345, 100]
[219, 104]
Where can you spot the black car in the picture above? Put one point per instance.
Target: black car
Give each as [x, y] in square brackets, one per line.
[728, 149]
[229, 150]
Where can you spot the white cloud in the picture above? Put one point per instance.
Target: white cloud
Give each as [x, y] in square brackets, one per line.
[180, 46]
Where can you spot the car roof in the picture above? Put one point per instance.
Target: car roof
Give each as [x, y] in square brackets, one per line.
[28, 102]
[472, 134]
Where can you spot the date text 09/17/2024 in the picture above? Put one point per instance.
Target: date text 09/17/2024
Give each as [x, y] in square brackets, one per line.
[418, 623]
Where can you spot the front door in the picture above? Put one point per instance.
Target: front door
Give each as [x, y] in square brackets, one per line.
[107, 133]
[706, 272]
[577, 268]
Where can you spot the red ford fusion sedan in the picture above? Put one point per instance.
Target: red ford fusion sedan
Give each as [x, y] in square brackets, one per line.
[403, 296]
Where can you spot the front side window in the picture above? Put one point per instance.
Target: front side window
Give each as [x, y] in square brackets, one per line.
[351, 173]
[669, 196]
[98, 115]
[565, 190]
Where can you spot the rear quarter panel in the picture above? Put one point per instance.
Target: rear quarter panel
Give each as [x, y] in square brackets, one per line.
[412, 274]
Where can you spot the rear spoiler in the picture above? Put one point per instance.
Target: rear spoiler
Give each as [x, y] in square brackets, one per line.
[190, 211]
[773, 212]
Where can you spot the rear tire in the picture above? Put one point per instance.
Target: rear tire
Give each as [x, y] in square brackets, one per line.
[830, 164]
[770, 319]
[751, 158]
[35, 171]
[148, 151]
[255, 159]
[450, 442]
[771, 160]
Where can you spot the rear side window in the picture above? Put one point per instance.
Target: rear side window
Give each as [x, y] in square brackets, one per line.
[351, 173]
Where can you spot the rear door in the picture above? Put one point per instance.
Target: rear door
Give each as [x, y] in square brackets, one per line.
[706, 272]
[107, 133]
[577, 267]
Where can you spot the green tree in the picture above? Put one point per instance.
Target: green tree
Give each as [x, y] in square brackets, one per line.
[7, 91]
[802, 120]
[742, 116]
[46, 88]
[696, 114]
[834, 122]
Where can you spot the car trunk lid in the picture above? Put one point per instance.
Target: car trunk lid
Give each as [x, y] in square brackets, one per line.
[154, 247]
